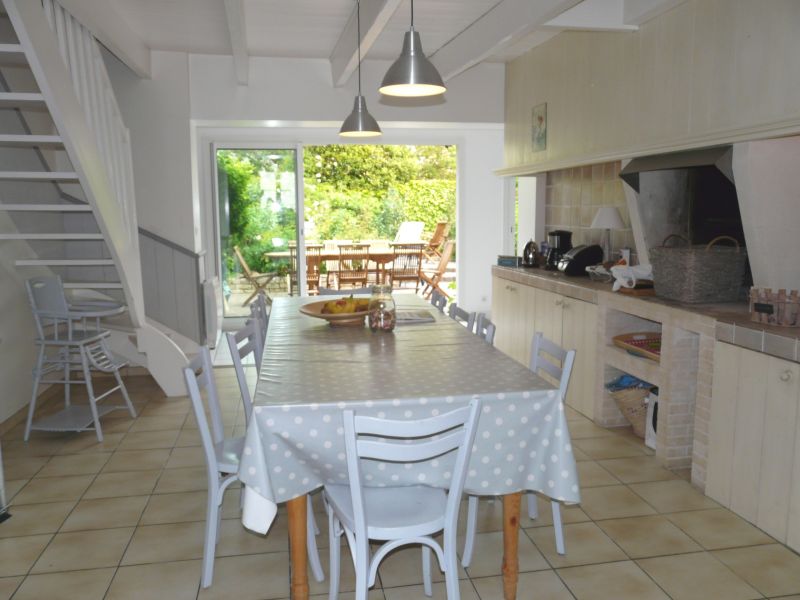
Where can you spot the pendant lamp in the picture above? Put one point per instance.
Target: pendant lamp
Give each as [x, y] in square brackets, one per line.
[359, 123]
[412, 74]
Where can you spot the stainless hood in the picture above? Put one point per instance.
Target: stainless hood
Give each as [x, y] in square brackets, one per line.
[718, 156]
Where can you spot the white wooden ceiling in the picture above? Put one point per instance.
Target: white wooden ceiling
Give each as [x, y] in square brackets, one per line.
[456, 33]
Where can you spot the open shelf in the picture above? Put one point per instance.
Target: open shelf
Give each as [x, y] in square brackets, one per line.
[643, 368]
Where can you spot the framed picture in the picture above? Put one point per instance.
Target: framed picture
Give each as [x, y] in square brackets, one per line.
[539, 127]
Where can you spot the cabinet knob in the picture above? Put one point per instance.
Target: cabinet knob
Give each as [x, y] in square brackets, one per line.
[786, 375]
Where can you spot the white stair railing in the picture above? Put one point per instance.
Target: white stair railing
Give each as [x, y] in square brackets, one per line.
[92, 86]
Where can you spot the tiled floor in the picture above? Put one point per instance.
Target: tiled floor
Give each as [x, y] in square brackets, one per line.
[124, 519]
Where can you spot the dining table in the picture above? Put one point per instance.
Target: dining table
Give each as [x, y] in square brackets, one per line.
[380, 256]
[312, 371]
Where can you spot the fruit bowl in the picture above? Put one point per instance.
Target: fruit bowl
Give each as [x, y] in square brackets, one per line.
[349, 319]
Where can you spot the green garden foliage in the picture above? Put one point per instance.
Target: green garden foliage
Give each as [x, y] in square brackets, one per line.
[354, 192]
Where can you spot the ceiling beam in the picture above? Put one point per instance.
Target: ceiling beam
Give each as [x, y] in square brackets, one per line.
[111, 30]
[506, 23]
[237, 28]
[594, 15]
[375, 14]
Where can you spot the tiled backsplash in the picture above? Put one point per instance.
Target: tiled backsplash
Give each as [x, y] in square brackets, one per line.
[574, 196]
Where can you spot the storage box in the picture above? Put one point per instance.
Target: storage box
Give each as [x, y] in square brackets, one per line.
[775, 308]
[508, 261]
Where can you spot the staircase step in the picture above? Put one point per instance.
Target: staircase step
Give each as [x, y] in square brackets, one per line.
[42, 141]
[51, 236]
[94, 285]
[46, 207]
[39, 175]
[71, 262]
[21, 99]
[11, 49]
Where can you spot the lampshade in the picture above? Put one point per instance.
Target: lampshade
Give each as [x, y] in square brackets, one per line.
[412, 74]
[608, 217]
[359, 123]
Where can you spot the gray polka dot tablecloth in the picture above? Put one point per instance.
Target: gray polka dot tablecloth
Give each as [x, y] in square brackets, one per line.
[311, 372]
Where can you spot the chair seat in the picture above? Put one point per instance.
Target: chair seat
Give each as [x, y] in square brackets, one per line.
[393, 512]
[229, 452]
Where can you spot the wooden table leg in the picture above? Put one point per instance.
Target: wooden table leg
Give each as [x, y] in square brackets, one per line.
[296, 509]
[511, 504]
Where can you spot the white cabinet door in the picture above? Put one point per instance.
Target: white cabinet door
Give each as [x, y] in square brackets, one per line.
[724, 395]
[509, 301]
[579, 333]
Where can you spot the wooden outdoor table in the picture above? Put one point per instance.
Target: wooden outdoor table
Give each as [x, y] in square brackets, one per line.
[381, 258]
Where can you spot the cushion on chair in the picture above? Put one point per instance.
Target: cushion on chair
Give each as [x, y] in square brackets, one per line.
[393, 512]
[229, 453]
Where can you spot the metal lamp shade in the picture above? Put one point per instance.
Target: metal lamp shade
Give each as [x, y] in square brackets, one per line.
[360, 123]
[412, 74]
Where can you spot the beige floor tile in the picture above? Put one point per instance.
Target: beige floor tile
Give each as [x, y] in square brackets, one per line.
[231, 503]
[33, 519]
[403, 567]
[188, 437]
[642, 537]
[137, 460]
[100, 548]
[175, 508]
[618, 580]
[23, 467]
[74, 464]
[487, 556]
[607, 447]
[719, 528]
[569, 513]
[580, 455]
[192, 479]
[347, 580]
[773, 570]
[541, 585]
[17, 555]
[235, 539]
[186, 457]
[105, 513]
[697, 576]
[591, 474]
[86, 443]
[53, 489]
[586, 429]
[40, 444]
[159, 423]
[112, 485]
[149, 440]
[613, 502]
[119, 425]
[585, 544]
[9, 585]
[13, 487]
[636, 469]
[414, 592]
[673, 496]
[792, 597]
[252, 577]
[172, 580]
[86, 585]
[164, 543]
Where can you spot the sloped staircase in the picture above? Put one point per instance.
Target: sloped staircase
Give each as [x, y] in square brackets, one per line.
[66, 182]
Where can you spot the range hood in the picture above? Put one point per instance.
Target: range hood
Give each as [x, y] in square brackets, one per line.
[718, 156]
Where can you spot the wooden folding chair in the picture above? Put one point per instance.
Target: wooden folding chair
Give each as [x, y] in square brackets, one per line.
[432, 280]
[437, 239]
[259, 281]
[313, 264]
[353, 265]
[406, 262]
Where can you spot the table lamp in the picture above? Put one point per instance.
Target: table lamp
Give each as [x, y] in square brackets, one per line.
[607, 218]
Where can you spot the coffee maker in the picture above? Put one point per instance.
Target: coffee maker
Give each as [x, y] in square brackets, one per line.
[559, 243]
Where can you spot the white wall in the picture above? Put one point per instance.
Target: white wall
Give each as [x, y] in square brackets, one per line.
[291, 101]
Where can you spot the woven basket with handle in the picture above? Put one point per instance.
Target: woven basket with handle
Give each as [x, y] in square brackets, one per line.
[631, 403]
[699, 274]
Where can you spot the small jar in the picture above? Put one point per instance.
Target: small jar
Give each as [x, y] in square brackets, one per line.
[381, 312]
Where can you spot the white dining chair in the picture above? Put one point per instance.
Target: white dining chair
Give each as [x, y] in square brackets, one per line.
[222, 461]
[259, 310]
[248, 340]
[399, 515]
[484, 328]
[438, 301]
[461, 316]
[549, 358]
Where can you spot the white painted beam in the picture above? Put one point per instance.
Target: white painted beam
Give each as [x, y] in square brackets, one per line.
[637, 12]
[111, 30]
[237, 28]
[503, 25]
[375, 14]
[593, 15]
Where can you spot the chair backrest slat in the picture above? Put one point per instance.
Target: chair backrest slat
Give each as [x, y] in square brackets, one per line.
[400, 452]
[410, 429]
[48, 303]
[201, 371]
[461, 316]
[484, 328]
[541, 348]
[251, 332]
[245, 267]
[438, 301]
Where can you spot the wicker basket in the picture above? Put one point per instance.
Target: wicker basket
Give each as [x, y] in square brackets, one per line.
[632, 405]
[699, 274]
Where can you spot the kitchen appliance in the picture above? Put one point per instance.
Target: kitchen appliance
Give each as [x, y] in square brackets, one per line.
[559, 242]
[530, 255]
[575, 261]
